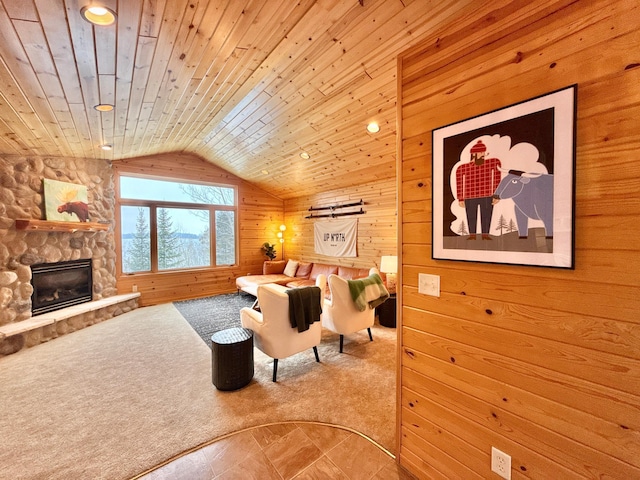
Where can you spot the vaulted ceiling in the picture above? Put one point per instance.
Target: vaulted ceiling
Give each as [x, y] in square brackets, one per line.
[246, 84]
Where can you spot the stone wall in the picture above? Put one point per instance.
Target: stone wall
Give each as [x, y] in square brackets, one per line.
[21, 196]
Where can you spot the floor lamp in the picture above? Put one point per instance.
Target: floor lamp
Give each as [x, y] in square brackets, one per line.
[281, 237]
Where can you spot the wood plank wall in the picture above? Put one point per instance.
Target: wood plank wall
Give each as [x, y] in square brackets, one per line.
[259, 216]
[542, 363]
[377, 228]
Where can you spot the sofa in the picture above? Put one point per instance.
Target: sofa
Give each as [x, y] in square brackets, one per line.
[295, 274]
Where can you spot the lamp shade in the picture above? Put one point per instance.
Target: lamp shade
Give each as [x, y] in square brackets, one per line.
[389, 264]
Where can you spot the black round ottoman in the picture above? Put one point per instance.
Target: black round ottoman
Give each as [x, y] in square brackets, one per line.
[232, 358]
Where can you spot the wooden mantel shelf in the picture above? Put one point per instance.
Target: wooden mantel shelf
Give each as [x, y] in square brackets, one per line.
[50, 226]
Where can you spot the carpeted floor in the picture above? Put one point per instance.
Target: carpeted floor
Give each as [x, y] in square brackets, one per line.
[211, 314]
[117, 398]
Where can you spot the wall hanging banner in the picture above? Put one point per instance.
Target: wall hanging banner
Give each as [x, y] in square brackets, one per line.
[337, 238]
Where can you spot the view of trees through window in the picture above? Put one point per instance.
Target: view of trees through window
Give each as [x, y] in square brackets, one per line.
[183, 216]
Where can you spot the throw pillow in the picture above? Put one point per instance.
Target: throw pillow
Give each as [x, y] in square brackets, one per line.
[290, 269]
[304, 269]
[271, 267]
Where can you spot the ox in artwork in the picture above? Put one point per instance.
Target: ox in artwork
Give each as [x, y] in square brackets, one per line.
[532, 194]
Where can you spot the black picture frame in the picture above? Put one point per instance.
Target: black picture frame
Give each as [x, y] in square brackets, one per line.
[519, 187]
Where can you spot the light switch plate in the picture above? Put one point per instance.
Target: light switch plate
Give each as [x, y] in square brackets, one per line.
[429, 284]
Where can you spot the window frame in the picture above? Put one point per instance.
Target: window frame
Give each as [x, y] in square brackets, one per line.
[153, 206]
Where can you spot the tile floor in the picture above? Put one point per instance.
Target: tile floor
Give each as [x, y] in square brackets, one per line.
[284, 451]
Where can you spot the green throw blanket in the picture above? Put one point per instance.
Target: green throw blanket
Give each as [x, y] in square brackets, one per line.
[304, 307]
[368, 292]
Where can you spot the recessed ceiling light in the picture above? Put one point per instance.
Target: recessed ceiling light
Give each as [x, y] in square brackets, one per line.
[103, 107]
[106, 146]
[305, 155]
[98, 15]
[373, 127]
[265, 172]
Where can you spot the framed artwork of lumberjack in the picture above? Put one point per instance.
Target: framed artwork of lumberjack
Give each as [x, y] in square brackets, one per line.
[504, 186]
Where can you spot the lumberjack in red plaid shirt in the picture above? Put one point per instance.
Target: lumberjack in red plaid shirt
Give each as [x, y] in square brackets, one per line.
[476, 182]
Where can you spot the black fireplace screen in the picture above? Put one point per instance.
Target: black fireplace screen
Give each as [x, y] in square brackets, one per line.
[59, 285]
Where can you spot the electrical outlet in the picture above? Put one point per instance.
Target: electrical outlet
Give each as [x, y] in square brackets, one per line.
[501, 463]
[429, 284]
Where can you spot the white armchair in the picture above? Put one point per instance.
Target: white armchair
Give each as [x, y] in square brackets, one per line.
[340, 314]
[271, 326]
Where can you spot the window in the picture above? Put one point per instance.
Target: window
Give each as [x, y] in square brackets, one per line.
[173, 225]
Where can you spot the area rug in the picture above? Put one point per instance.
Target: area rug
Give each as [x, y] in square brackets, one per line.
[122, 396]
[210, 314]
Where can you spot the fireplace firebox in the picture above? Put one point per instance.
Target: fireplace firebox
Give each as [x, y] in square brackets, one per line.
[61, 284]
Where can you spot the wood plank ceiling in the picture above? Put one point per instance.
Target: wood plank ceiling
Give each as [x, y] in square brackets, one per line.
[246, 84]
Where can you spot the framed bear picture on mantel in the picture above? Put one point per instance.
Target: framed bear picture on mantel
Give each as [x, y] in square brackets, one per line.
[504, 184]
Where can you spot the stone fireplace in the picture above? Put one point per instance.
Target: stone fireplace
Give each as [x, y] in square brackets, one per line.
[60, 284]
[21, 197]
